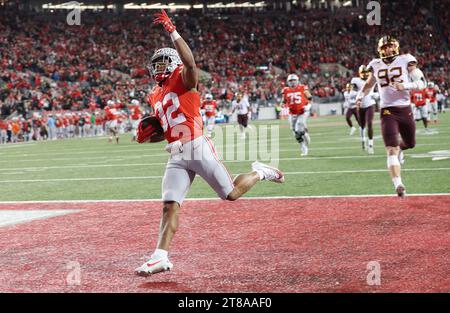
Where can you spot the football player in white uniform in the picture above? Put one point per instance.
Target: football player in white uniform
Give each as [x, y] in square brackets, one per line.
[395, 74]
[350, 107]
[242, 106]
[366, 110]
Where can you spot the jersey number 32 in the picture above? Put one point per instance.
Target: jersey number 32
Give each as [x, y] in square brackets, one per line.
[167, 117]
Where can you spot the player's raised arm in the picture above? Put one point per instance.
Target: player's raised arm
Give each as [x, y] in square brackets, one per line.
[370, 82]
[190, 73]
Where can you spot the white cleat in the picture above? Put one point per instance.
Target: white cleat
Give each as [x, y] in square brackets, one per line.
[401, 190]
[352, 131]
[370, 150]
[401, 157]
[154, 266]
[270, 173]
[304, 150]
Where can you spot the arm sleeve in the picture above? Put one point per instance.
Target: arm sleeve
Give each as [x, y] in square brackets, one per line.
[410, 59]
[418, 80]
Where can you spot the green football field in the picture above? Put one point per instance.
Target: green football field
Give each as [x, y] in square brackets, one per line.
[93, 169]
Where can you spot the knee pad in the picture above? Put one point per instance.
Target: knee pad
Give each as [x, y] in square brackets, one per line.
[392, 160]
[299, 136]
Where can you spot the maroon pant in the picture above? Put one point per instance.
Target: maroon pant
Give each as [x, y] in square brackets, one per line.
[349, 114]
[242, 119]
[366, 119]
[395, 121]
[366, 116]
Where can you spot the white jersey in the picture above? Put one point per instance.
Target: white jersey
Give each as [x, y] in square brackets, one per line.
[440, 97]
[241, 106]
[387, 74]
[350, 99]
[368, 100]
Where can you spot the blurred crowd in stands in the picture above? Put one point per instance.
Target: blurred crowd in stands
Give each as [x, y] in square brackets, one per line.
[45, 64]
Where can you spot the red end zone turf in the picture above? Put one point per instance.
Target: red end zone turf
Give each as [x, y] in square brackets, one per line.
[285, 245]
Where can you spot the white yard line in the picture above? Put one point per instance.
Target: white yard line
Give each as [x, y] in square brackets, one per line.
[157, 176]
[147, 148]
[217, 199]
[39, 168]
[136, 156]
[104, 159]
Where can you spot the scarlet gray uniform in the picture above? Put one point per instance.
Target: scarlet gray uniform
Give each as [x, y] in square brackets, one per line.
[178, 111]
[197, 156]
[396, 112]
[366, 110]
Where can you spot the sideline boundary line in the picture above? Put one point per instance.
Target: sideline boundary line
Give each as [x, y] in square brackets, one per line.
[218, 199]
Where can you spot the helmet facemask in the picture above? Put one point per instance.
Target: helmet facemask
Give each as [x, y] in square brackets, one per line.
[292, 80]
[388, 48]
[163, 63]
[293, 83]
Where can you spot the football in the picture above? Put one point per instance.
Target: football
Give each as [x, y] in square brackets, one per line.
[158, 133]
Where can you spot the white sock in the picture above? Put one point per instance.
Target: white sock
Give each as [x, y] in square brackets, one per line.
[397, 181]
[159, 254]
[261, 174]
[370, 142]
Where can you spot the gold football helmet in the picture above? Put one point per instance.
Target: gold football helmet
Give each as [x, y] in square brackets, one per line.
[388, 47]
[363, 72]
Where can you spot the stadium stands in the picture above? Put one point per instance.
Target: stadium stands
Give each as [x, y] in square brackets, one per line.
[48, 65]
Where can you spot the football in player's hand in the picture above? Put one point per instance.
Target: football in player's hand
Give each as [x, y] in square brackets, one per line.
[150, 130]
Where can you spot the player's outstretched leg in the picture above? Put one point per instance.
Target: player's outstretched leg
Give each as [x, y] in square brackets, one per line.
[159, 261]
[369, 122]
[348, 119]
[244, 182]
[370, 149]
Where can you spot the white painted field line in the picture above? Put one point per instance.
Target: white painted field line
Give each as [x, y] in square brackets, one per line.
[13, 217]
[217, 199]
[158, 176]
[37, 168]
[135, 156]
[146, 148]
[40, 168]
[17, 145]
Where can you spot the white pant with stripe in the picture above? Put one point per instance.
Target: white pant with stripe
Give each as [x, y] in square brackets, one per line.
[195, 157]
